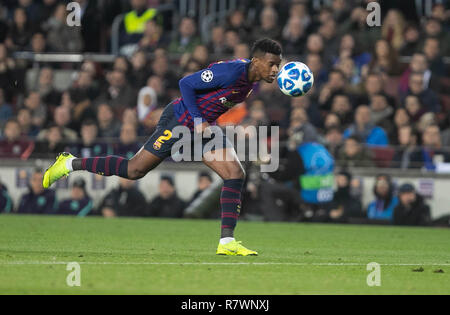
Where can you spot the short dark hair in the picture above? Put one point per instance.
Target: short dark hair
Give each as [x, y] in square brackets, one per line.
[264, 46]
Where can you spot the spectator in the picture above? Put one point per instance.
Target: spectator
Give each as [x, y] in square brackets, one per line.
[38, 43]
[432, 50]
[10, 77]
[300, 128]
[62, 119]
[419, 63]
[426, 96]
[38, 200]
[411, 209]
[124, 201]
[6, 204]
[134, 23]
[334, 140]
[108, 127]
[5, 110]
[364, 129]
[62, 37]
[51, 145]
[20, 32]
[147, 103]
[385, 59]
[348, 48]
[401, 118]
[11, 144]
[160, 68]
[139, 71]
[45, 88]
[231, 41]
[236, 22]
[187, 39]
[393, 28]
[241, 51]
[432, 152]
[89, 146]
[204, 181]
[153, 37]
[408, 154]
[37, 109]
[311, 109]
[268, 25]
[382, 208]
[354, 154]
[167, 204]
[328, 31]
[217, 45]
[342, 108]
[128, 145]
[344, 205]
[90, 25]
[433, 28]
[336, 84]
[411, 40]
[79, 204]
[357, 26]
[24, 120]
[381, 112]
[314, 62]
[294, 36]
[119, 94]
[415, 108]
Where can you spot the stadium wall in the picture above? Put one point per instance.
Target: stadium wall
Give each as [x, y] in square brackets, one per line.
[434, 187]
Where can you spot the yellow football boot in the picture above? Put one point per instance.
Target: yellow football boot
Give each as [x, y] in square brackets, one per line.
[57, 170]
[234, 248]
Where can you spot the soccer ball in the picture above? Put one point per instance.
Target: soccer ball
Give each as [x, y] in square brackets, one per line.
[295, 79]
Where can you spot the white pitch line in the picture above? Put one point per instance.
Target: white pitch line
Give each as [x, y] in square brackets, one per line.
[12, 263]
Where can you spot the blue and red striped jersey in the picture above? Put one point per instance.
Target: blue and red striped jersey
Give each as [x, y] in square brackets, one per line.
[209, 93]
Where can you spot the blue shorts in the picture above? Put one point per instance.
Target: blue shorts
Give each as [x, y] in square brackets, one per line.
[163, 139]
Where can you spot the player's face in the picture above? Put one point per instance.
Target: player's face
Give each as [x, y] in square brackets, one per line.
[268, 67]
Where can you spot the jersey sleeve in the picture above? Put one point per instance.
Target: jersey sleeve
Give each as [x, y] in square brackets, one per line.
[216, 77]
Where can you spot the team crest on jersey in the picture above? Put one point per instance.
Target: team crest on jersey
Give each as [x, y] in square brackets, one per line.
[207, 76]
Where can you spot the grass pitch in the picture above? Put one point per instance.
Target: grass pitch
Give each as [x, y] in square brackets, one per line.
[150, 256]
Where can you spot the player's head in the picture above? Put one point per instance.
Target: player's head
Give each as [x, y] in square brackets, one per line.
[266, 59]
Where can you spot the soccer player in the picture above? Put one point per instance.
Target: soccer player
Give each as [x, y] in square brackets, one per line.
[205, 96]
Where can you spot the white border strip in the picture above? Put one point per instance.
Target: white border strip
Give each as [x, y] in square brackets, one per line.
[26, 263]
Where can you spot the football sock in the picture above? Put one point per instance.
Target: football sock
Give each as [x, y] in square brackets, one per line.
[226, 240]
[230, 201]
[106, 166]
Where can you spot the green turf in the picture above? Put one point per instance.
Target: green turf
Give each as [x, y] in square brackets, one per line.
[147, 256]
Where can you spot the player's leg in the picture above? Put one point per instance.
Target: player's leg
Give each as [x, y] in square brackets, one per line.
[135, 168]
[229, 168]
[157, 148]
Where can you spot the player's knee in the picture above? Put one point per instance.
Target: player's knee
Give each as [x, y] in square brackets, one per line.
[135, 173]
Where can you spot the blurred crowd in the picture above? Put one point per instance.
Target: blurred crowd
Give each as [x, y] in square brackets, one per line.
[380, 99]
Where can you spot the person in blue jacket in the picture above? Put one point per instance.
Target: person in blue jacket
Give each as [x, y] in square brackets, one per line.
[38, 200]
[370, 134]
[382, 208]
[79, 204]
